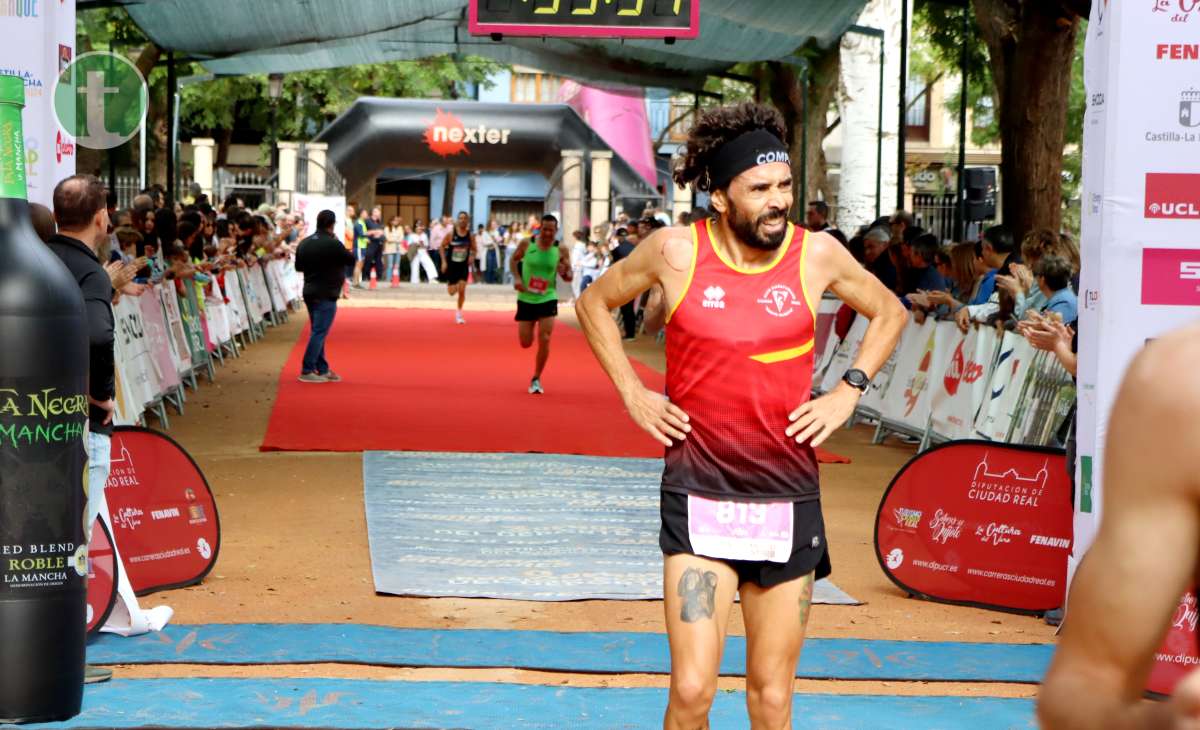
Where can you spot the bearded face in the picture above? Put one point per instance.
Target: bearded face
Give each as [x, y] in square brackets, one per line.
[757, 203]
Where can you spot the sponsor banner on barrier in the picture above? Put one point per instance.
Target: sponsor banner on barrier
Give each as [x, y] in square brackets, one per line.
[158, 340]
[164, 517]
[219, 329]
[258, 289]
[825, 338]
[871, 402]
[959, 390]
[180, 353]
[102, 571]
[979, 523]
[844, 356]
[920, 359]
[1004, 388]
[193, 327]
[135, 359]
[1178, 656]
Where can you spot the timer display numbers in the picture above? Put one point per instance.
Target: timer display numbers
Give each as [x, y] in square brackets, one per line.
[595, 18]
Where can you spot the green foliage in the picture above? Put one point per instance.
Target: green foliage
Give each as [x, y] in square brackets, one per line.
[97, 30]
[939, 34]
[936, 51]
[1072, 173]
[308, 101]
[938, 40]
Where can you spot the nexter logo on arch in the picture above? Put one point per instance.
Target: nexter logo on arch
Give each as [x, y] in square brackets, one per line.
[447, 135]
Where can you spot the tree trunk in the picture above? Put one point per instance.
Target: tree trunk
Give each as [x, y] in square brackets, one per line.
[448, 196]
[224, 138]
[1032, 46]
[148, 59]
[788, 95]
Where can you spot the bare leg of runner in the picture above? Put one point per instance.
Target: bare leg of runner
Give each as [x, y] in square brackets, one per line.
[545, 331]
[775, 620]
[699, 596]
[525, 334]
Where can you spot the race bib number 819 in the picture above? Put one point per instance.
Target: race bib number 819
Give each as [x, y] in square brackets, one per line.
[741, 530]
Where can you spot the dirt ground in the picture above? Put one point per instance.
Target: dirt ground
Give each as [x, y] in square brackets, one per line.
[294, 543]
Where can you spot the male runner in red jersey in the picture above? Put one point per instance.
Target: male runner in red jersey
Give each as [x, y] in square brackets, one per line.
[740, 509]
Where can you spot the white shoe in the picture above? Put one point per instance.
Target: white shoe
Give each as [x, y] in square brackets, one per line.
[535, 387]
[458, 318]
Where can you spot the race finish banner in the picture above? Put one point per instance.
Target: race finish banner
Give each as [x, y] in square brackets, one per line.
[979, 524]
[1141, 255]
[163, 514]
[102, 577]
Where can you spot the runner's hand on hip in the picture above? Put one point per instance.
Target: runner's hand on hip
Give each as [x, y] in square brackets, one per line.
[814, 421]
[658, 416]
[519, 286]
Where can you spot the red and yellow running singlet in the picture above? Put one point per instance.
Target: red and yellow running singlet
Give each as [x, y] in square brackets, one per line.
[739, 360]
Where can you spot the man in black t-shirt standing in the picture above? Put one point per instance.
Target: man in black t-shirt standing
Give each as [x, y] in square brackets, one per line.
[323, 261]
[376, 235]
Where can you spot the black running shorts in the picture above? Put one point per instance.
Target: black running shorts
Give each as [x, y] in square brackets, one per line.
[809, 550]
[529, 312]
[456, 271]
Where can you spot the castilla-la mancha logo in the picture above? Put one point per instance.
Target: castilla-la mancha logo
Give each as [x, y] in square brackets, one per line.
[446, 135]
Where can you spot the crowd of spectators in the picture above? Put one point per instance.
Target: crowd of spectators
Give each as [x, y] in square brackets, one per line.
[992, 281]
[412, 253]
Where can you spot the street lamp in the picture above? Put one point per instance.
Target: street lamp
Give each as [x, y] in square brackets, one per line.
[274, 91]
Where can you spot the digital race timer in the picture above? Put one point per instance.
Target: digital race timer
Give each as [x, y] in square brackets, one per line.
[600, 18]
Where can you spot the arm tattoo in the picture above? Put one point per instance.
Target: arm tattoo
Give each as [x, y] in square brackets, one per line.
[699, 595]
[806, 595]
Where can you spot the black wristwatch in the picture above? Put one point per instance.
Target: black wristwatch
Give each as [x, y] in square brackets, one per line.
[857, 379]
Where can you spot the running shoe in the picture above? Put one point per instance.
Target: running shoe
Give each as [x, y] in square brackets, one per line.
[535, 386]
[96, 675]
[312, 378]
[331, 377]
[458, 317]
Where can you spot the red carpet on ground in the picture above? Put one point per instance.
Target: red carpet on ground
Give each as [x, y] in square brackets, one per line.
[412, 380]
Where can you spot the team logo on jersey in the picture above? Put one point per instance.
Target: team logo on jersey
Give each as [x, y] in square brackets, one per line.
[714, 298]
[780, 300]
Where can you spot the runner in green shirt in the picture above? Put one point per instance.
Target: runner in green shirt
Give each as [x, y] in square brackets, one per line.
[536, 266]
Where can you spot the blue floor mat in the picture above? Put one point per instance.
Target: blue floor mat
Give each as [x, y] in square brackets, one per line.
[567, 652]
[527, 527]
[355, 704]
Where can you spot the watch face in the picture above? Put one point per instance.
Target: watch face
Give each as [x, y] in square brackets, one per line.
[857, 378]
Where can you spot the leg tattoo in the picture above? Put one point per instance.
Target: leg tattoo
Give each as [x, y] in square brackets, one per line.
[806, 594]
[699, 591]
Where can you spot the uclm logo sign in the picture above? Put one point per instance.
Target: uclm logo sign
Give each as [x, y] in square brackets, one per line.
[1173, 195]
[447, 135]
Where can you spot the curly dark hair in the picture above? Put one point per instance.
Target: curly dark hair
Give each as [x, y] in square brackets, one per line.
[715, 128]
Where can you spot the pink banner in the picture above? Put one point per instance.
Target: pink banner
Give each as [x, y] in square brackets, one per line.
[618, 114]
[155, 326]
